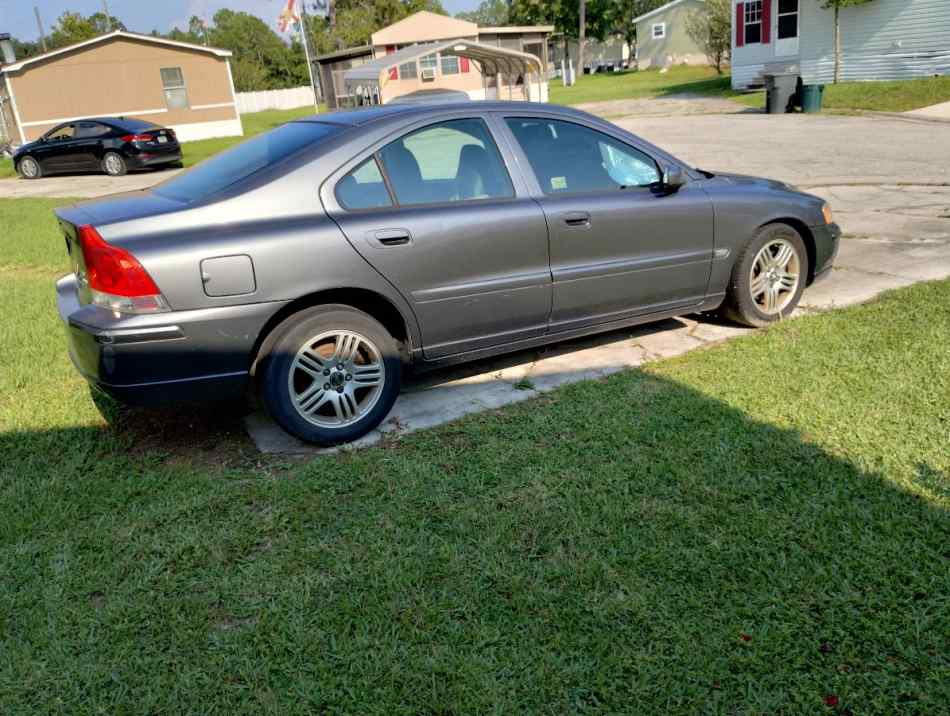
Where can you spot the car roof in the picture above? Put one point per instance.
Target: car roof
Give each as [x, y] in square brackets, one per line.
[130, 123]
[377, 113]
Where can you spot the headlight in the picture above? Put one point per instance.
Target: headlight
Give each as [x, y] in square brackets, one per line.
[826, 212]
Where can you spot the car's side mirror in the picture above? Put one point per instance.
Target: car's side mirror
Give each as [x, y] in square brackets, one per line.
[673, 178]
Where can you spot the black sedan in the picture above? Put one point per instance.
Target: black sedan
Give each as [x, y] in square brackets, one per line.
[108, 144]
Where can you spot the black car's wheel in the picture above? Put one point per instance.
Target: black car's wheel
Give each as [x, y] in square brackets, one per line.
[332, 375]
[114, 165]
[29, 168]
[768, 277]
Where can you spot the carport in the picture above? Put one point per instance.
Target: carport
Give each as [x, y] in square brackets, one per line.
[516, 75]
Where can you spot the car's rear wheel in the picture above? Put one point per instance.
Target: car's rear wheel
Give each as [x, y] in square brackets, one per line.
[332, 375]
[29, 168]
[769, 277]
[114, 165]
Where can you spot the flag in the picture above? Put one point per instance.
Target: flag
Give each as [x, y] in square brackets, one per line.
[288, 16]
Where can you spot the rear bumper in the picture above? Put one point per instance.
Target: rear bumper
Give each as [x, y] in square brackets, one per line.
[146, 159]
[827, 239]
[179, 356]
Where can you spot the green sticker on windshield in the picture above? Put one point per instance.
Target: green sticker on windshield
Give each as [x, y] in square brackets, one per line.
[558, 183]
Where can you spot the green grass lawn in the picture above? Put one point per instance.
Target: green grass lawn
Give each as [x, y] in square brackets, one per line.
[194, 152]
[753, 528]
[897, 96]
[639, 85]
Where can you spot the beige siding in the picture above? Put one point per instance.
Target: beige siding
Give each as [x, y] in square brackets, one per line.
[424, 26]
[120, 77]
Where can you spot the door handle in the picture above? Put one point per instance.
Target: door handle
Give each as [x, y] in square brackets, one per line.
[393, 237]
[577, 219]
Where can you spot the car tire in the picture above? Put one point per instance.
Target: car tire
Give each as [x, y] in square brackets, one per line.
[114, 164]
[768, 278]
[29, 168]
[332, 374]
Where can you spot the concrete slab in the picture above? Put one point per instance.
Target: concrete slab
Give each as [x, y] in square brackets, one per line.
[865, 268]
[846, 287]
[81, 185]
[937, 111]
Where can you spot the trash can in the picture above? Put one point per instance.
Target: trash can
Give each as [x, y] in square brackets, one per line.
[811, 98]
[780, 89]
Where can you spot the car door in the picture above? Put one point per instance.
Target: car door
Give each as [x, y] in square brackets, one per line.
[441, 214]
[54, 151]
[621, 244]
[87, 145]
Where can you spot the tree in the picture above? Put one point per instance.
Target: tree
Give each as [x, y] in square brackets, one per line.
[836, 5]
[711, 29]
[490, 13]
[71, 27]
[565, 16]
[261, 60]
[623, 13]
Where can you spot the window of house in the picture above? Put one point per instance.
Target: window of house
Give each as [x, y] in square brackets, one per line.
[446, 162]
[407, 71]
[428, 62]
[568, 158]
[787, 19]
[364, 188]
[173, 81]
[659, 30]
[450, 64]
[753, 21]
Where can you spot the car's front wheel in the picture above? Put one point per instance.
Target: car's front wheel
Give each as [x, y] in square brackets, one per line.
[29, 168]
[114, 165]
[769, 277]
[332, 375]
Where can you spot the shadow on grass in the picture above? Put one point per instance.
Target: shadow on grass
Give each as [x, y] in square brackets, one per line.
[626, 545]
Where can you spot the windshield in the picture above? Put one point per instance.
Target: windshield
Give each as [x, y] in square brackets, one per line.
[245, 159]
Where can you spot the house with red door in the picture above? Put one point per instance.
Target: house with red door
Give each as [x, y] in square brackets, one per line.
[880, 40]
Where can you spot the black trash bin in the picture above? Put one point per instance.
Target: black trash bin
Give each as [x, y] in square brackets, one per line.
[780, 88]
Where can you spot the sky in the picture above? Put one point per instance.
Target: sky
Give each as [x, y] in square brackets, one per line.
[17, 18]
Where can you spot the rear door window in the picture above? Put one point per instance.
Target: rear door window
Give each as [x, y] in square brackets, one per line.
[451, 161]
[569, 158]
[364, 188]
[247, 158]
[86, 130]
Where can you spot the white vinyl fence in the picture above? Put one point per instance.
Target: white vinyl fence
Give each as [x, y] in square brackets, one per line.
[274, 99]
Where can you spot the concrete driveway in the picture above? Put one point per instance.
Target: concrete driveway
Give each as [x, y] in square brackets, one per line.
[886, 179]
[82, 185]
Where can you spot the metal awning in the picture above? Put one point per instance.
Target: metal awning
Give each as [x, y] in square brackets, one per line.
[491, 59]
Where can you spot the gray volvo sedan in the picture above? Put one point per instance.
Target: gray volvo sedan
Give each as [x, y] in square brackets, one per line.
[313, 263]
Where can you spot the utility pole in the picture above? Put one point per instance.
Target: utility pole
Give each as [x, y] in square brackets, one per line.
[581, 36]
[39, 26]
[105, 7]
[306, 51]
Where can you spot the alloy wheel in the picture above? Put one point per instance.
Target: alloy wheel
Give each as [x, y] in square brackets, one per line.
[774, 277]
[336, 378]
[29, 167]
[113, 164]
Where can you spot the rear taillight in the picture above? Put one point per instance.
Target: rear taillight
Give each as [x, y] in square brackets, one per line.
[115, 277]
[138, 138]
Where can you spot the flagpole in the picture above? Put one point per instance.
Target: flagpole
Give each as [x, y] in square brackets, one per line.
[306, 52]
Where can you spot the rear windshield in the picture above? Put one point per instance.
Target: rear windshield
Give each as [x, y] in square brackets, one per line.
[132, 125]
[245, 159]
